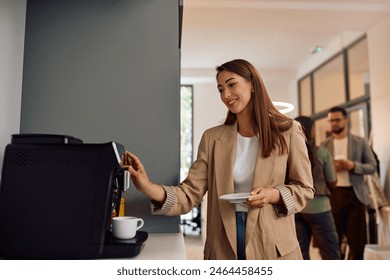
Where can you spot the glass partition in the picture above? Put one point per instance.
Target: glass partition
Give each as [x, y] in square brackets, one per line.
[326, 87]
[322, 130]
[329, 85]
[305, 97]
[358, 120]
[359, 80]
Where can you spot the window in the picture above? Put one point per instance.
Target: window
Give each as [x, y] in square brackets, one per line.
[191, 220]
[185, 130]
[329, 85]
[305, 100]
[343, 81]
[359, 79]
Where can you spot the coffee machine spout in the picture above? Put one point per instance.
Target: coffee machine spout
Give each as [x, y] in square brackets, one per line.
[126, 180]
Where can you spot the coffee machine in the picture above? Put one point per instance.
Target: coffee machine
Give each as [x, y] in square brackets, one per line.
[57, 199]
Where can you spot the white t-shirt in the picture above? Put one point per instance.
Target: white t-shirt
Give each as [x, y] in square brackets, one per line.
[341, 152]
[244, 166]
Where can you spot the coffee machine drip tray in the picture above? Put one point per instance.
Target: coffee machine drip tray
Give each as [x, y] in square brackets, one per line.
[124, 248]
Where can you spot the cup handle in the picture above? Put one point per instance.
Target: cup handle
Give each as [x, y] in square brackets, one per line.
[140, 223]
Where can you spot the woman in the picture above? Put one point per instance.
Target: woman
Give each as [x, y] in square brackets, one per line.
[257, 150]
[316, 218]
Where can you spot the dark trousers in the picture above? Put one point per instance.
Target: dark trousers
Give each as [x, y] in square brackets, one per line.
[350, 219]
[321, 227]
[241, 231]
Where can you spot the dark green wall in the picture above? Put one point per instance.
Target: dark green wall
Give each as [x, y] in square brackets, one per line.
[104, 70]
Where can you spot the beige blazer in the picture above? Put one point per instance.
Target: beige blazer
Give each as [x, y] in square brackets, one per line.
[268, 235]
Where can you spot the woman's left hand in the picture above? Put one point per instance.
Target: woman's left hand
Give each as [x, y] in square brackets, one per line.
[261, 196]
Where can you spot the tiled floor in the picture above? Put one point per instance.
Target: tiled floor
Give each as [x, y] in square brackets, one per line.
[194, 248]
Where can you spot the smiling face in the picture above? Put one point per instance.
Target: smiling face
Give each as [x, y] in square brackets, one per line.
[235, 91]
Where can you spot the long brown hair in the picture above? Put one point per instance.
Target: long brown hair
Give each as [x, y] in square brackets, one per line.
[266, 118]
[307, 125]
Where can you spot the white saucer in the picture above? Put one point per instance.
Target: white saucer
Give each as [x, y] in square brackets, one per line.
[235, 197]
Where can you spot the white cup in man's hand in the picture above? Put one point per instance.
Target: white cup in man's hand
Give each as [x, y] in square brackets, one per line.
[339, 157]
[126, 227]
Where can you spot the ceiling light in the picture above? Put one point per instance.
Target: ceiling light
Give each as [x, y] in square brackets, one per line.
[283, 107]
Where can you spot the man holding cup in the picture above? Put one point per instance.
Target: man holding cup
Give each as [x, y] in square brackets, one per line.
[353, 158]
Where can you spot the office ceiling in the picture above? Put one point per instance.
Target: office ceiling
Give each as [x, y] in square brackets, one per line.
[277, 36]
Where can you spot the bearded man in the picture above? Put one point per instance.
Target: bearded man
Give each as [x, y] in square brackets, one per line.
[353, 158]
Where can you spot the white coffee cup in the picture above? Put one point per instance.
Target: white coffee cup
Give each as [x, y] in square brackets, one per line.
[126, 227]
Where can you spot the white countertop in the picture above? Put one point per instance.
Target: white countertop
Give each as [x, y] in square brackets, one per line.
[163, 246]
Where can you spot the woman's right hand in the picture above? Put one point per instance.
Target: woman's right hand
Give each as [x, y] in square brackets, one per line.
[135, 167]
[140, 178]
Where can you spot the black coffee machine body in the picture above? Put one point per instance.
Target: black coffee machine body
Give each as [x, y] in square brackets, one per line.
[57, 199]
